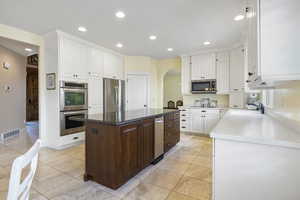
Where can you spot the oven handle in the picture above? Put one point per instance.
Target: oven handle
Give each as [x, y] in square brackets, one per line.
[66, 113]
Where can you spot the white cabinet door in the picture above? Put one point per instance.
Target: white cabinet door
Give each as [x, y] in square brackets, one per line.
[237, 76]
[203, 66]
[222, 68]
[211, 120]
[186, 75]
[95, 95]
[73, 56]
[113, 66]
[279, 39]
[197, 121]
[95, 62]
[252, 37]
[236, 100]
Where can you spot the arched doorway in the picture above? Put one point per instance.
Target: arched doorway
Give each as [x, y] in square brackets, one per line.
[172, 87]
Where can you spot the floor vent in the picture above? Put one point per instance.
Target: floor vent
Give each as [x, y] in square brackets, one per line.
[7, 135]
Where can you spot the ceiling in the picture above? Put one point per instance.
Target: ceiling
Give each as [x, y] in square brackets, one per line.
[180, 24]
[18, 47]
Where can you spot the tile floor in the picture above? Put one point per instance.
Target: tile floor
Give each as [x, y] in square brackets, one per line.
[184, 174]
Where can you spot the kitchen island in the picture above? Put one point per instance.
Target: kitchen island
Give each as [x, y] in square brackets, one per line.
[121, 144]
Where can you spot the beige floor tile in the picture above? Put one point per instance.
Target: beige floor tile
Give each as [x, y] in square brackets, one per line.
[199, 172]
[85, 191]
[194, 188]
[163, 178]
[123, 190]
[174, 165]
[204, 161]
[4, 184]
[67, 164]
[7, 158]
[3, 195]
[44, 172]
[147, 192]
[178, 196]
[55, 186]
[182, 157]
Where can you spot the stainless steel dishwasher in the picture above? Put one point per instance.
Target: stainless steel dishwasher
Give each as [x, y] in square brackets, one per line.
[158, 139]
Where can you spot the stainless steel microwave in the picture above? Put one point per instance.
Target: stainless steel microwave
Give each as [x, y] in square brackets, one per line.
[208, 86]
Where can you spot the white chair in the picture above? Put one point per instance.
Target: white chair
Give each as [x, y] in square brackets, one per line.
[21, 190]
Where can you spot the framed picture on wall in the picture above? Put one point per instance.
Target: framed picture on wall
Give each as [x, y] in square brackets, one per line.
[51, 81]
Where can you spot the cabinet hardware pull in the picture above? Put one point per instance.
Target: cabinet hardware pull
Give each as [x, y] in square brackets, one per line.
[183, 120]
[183, 127]
[203, 111]
[183, 115]
[250, 73]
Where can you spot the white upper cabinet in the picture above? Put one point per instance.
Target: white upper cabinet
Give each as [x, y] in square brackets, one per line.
[73, 59]
[222, 70]
[95, 62]
[237, 67]
[113, 66]
[273, 41]
[203, 66]
[185, 75]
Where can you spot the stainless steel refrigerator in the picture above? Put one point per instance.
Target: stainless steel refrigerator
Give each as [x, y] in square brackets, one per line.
[113, 95]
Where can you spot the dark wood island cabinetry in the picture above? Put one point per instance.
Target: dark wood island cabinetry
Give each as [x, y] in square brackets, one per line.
[121, 144]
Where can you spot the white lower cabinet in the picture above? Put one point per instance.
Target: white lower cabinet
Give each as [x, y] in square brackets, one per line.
[199, 120]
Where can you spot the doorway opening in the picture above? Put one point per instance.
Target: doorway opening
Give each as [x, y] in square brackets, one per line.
[19, 95]
[137, 91]
[172, 96]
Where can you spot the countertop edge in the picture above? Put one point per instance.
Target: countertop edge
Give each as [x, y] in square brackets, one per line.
[277, 143]
[131, 120]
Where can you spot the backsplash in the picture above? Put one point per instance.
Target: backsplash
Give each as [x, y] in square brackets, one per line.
[287, 101]
[223, 100]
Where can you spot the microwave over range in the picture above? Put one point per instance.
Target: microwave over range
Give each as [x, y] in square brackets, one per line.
[208, 86]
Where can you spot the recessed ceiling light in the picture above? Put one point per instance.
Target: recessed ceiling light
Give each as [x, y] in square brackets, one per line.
[206, 43]
[152, 37]
[239, 17]
[82, 29]
[120, 14]
[170, 49]
[119, 45]
[28, 49]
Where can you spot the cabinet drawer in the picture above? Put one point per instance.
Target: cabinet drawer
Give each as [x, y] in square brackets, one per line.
[185, 126]
[185, 120]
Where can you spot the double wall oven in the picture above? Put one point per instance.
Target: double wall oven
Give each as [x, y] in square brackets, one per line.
[73, 102]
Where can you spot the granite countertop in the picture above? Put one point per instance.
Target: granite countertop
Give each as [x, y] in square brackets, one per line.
[123, 117]
[253, 127]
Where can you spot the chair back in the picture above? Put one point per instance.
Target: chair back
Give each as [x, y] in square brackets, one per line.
[18, 189]
[171, 104]
[179, 103]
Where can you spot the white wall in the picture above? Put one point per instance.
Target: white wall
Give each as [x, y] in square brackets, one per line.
[145, 65]
[33, 39]
[172, 88]
[13, 103]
